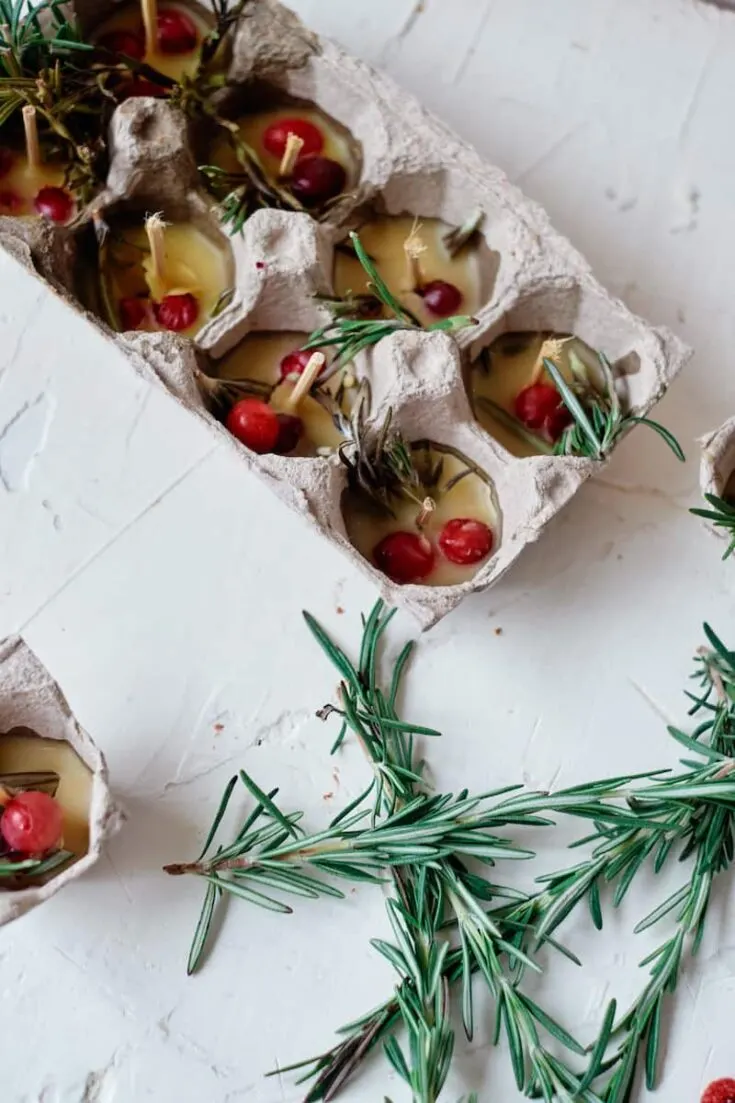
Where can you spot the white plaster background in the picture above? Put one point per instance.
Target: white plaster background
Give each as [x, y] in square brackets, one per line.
[162, 585]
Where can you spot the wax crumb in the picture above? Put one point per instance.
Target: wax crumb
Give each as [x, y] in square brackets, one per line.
[498, 631]
[327, 796]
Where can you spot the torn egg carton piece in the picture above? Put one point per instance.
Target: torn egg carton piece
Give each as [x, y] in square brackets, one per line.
[31, 701]
[717, 465]
[529, 277]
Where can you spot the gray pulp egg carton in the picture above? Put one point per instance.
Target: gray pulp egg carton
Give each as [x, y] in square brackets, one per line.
[31, 701]
[410, 163]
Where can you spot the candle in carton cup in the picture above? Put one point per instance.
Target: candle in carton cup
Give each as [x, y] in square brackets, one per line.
[23, 752]
[166, 36]
[514, 366]
[470, 499]
[260, 358]
[300, 148]
[163, 276]
[30, 185]
[411, 256]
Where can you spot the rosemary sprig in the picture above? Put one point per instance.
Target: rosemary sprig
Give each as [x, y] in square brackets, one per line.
[722, 516]
[599, 420]
[271, 851]
[349, 336]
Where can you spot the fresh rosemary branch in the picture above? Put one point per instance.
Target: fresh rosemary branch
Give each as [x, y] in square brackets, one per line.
[457, 896]
[270, 850]
[348, 336]
[684, 814]
[599, 421]
[722, 516]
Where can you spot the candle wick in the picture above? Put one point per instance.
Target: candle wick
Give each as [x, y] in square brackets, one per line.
[149, 11]
[291, 154]
[33, 147]
[427, 508]
[306, 380]
[414, 248]
[551, 349]
[155, 229]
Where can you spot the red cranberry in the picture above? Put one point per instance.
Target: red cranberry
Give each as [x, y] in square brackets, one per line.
[124, 42]
[132, 312]
[405, 557]
[295, 362]
[31, 823]
[557, 422]
[275, 138]
[176, 312]
[177, 33]
[465, 541]
[255, 424]
[10, 202]
[535, 404]
[720, 1091]
[442, 299]
[316, 179]
[141, 86]
[7, 161]
[290, 432]
[55, 204]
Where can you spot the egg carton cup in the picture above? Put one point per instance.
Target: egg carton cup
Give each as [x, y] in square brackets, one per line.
[30, 699]
[717, 464]
[410, 163]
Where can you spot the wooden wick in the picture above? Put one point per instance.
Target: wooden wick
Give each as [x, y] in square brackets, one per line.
[427, 508]
[155, 231]
[149, 11]
[414, 248]
[291, 154]
[551, 349]
[33, 148]
[306, 380]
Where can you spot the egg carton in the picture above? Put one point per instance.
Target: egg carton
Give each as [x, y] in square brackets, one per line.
[410, 163]
[31, 700]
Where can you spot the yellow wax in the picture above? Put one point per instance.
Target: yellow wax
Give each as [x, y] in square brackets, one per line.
[383, 239]
[175, 66]
[258, 358]
[252, 128]
[195, 264]
[23, 183]
[472, 497]
[25, 752]
[513, 361]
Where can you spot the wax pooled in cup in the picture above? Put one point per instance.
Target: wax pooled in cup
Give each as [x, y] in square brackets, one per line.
[323, 164]
[176, 44]
[449, 541]
[432, 285]
[513, 396]
[196, 271]
[275, 361]
[34, 190]
[22, 752]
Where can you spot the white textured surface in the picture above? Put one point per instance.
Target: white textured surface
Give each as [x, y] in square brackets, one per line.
[162, 586]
